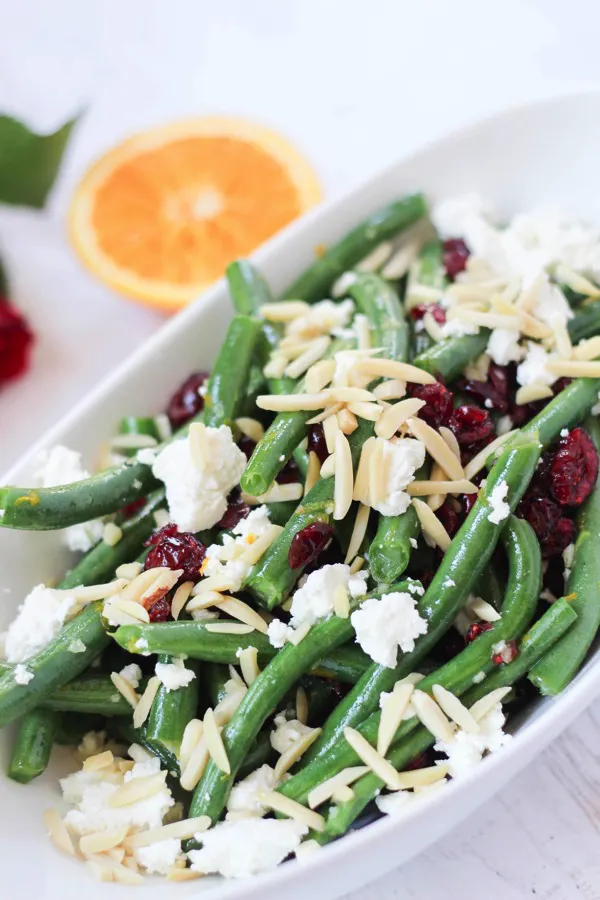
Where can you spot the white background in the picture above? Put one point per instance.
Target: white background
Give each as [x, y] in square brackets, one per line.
[354, 85]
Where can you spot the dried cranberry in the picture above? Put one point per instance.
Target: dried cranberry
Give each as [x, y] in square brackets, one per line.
[471, 425]
[132, 508]
[507, 654]
[246, 445]
[186, 402]
[438, 403]
[449, 518]
[492, 393]
[235, 512]
[455, 256]
[418, 762]
[421, 309]
[541, 513]
[308, 543]
[574, 468]
[317, 443]
[563, 534]
[290, 474]
[175, 551]
[160, 610]
[475, 630]
[16, 340]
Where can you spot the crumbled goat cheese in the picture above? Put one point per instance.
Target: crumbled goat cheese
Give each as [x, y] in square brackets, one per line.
[243, 848]
[551, 304]
[503, 346]
[132, 674]
[173, 676]
[77, 646]
[500, 509]
[448, 583]
[466, 749]
[383, 625]
[244, 794]
[568, 556]
[315, 600]
[160, 857]
[279, 633]
[142, 644]
[90, 792]
[197, 493]
[287, 732]
[58, 466]
[325, 317]
[477, 679]
[504, 425]
[392, 804]
[458, 328]
[415, 587]
[226, 559]
[533, 368]
[39, 619]
[400, 460]
[413, 543]
[22, 674]
[564, 432]
[147, 456]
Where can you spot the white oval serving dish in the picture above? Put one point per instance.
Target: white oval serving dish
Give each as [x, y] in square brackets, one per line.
[542, 154]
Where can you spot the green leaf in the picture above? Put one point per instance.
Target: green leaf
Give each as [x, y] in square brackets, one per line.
[29, 162]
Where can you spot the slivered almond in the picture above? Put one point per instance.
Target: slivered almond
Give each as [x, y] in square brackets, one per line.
[127, 571]
[433, 329]
[292, 809]
[532, 327]
[327, 789]
[486, 703]
[192, 735]
[212, 584]
[181, 597]
[369, 411]
[98, 591]
[198, 445]
[394, 389]
[239, 610]
[299, 634]
[252, 428]
[205, 600]
[392, 713]
[561, 338]
[487, 319]
[125, 688]
[137, 789]
[349, 395]
[341, 602]
[399, 264]
[578, 283]
[319, 375]
[58, 831]
[101, 841]
[376, 258]
[347, 421]
[371, 758]
[531, 392]
[358, 532]
[291, 756]
[585, 350]
[450, 439]
[327, 412]
[357, 565]
[574, 368]
[193, 771]
[328, 467]
[394, 416]
[253, 552]
[228, 628]
[363, 331]
[331, 427]
[478, 462]
[134, 590]
[431, 525]
[361, 482]
[248, 658]
[484, 610]
[214, 742]
[313, 471]
[142, 710]
[185, 828]
[311, 355]
[416, 778]
[280, 493]
[376, 473]
[344, 477]
[391, 368]
[283, 310]
[301, 705]
[421, 293]
[454, 709]
[294, 402]
[98, 761]
[437, 474]
[425, 488]
[436, 447]
[432, 716]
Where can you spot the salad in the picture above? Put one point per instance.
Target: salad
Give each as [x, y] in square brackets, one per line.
[313, 589]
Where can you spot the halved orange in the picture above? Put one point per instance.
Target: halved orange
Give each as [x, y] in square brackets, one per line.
[160, 216]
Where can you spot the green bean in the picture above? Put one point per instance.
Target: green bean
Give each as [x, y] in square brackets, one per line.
[260, 700]
[145, 425]
[172, 710]
[55, 665]
[316, 281]
[281, 439]
[464, 561]
[259, 753]
[214, 678]
[449, 357]
[73, 727]
[560, 665]
[378, 300]
[426, 270]
[271, 579]
[248, 288]
[565, 410]
[88, 694]
[535, 644]
[193, 640]
[132, 735]
[33, 745]
[229, 378]
[102, 560]
[585, 324]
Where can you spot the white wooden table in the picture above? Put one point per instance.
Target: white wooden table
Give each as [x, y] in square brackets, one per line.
[354, 84]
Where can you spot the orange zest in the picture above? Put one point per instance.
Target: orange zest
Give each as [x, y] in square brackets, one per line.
[160, 216]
